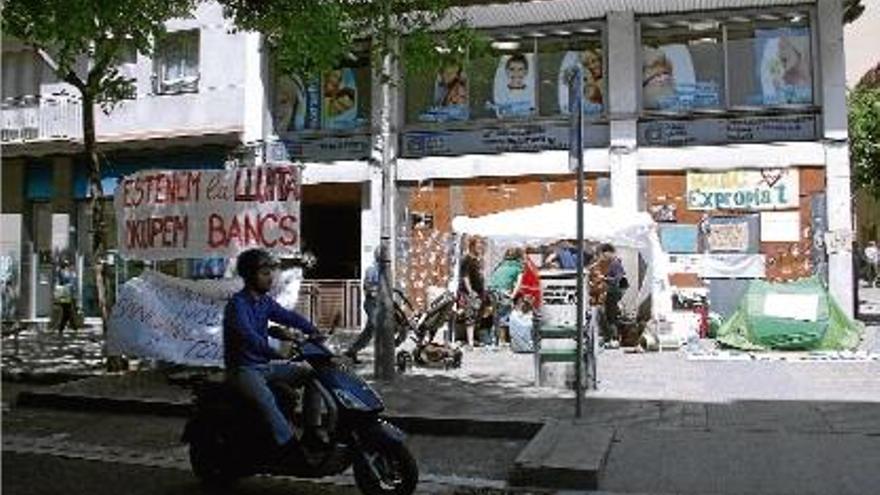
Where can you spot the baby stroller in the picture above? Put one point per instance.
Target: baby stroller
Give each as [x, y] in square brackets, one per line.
[420, 328]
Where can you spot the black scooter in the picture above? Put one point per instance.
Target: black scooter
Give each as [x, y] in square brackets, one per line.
[227, 440]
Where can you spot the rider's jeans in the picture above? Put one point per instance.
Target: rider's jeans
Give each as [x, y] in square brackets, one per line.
[252, 383]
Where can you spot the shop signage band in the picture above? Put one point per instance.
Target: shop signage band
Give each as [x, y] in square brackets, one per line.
[169, 214]
[766, 189]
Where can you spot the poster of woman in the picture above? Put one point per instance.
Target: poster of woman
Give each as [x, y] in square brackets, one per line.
[668, 77]
[450, 99]
[514, 91]
[783, 56]
[594, 82]
[289, 105]
[339, 95]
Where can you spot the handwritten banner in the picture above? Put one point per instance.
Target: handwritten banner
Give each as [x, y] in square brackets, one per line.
[766, 189]
[178, 320]
[205, 213]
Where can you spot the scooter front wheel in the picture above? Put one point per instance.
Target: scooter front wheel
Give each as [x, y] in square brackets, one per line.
[207, 462]
[386, 469]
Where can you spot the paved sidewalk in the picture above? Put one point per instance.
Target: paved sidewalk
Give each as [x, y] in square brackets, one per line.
[755, 424]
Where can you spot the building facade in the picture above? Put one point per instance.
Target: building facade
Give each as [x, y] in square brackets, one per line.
[189, 109]
[725, 119]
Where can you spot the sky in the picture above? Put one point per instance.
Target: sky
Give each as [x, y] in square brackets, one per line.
[862, 42]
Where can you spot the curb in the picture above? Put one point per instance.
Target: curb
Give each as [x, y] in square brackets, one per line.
[410, 423]
[45, 378]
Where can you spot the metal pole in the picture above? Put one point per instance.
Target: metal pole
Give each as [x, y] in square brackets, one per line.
[577, 153]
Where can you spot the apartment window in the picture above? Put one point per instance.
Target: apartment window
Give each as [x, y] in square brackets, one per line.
[522, 77]
[727, 61]
[177, 63]
[682, 66]
[127, 65]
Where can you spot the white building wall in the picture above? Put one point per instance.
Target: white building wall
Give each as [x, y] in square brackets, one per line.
[219, 105]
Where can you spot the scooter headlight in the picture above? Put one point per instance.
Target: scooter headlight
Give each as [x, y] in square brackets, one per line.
[350, 400]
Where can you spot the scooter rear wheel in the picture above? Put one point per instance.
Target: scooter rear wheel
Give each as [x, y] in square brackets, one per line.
[388, 469]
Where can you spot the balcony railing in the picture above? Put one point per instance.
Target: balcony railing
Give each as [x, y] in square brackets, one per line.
[30, 119]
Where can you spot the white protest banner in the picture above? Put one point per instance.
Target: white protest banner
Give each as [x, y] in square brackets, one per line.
[169, 214]
[766, 189]
[157, 316]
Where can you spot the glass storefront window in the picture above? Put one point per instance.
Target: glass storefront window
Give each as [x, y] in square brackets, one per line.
[682, 65]
[770, 60]
[340, 100]
[558, 56]
[519, 78]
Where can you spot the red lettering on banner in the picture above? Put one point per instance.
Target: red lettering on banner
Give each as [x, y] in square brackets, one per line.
[170, 231]
[247, 230]
[266, 184]
[216, 234]
[287, 224]
[162, 188]
[262, 227]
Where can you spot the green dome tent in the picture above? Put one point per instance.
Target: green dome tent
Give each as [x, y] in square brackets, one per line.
[797, 315]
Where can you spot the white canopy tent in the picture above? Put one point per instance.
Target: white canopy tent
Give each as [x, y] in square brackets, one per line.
[554, 221]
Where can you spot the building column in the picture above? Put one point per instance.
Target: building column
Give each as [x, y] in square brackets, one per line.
[256, 75]
[623, 108]
[835, 140]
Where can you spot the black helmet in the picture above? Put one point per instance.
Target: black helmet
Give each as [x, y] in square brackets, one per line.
[251, 260]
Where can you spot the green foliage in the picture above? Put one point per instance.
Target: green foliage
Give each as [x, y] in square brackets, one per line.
[85, 38]
[864, 135]
[311, 36]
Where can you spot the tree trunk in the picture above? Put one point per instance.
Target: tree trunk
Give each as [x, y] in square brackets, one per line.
[98, 228]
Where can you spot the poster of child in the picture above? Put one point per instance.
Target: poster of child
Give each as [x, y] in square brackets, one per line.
[339, 95]
[784, 71]
[289, 105]
[668, 77]
[450, 99]
[514, 91]
[594, 82]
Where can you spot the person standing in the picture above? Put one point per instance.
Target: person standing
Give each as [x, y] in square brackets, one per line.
[503, 286]
[872, 257]
[371, 297]
[64, 283]
[617, 283]
[471, 286]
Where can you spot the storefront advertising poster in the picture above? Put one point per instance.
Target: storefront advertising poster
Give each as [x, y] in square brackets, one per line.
[590, 60]
[785, 66]
[340, 99]
[208, 213]
[451, 96]
[766, 189]
[669, 80]
[514, 88]
[780, 226]
[289, 105]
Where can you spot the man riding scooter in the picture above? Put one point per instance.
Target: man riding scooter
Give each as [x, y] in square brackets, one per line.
[249, 357]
